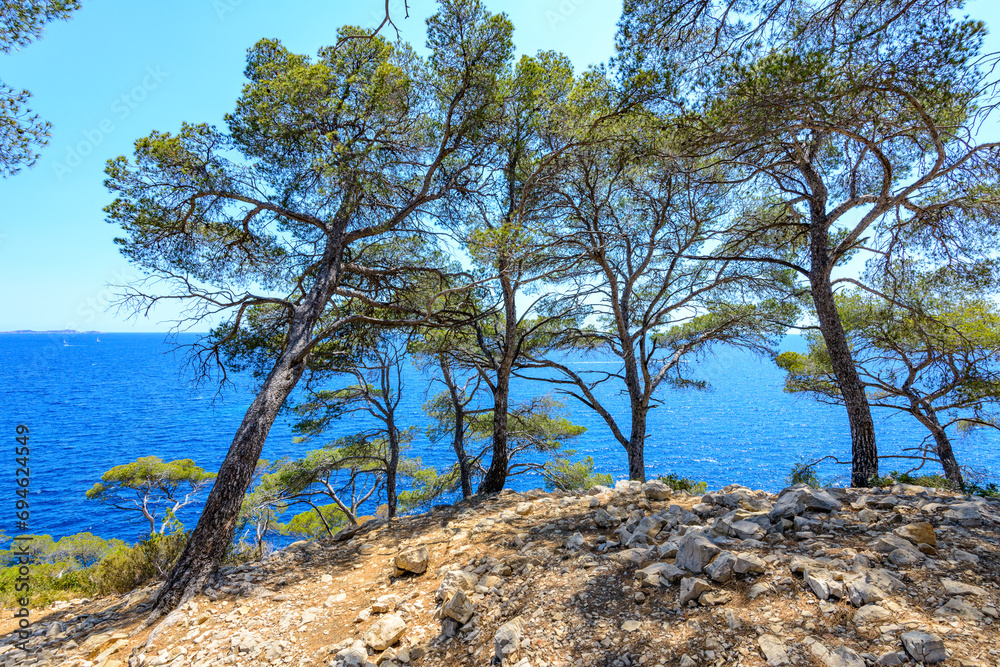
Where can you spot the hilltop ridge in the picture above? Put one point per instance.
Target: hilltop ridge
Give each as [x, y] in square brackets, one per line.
[635, 575]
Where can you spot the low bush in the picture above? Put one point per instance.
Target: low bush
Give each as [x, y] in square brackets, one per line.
[804, 473]
[684, 484]
[84, 565]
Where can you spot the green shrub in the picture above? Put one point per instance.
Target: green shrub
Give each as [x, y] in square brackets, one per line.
[930, 481]
[991, 490]
[127, 568]
[49, 582]
[684, 484]
[564, 475]
[804, 473]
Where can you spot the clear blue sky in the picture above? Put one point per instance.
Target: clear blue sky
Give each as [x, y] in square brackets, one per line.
[119, 69]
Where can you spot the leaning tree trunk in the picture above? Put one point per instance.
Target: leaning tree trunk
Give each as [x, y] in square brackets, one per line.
[943, 445]
[210, 539]
[864, 452]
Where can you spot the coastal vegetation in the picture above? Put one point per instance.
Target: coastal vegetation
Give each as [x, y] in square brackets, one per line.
[738, 171]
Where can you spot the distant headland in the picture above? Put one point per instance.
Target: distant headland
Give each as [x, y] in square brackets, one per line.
[59, 331]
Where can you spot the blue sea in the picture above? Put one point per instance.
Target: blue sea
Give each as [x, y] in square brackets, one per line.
[93, 401]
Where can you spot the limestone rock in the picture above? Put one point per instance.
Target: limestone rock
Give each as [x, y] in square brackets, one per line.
[412, 560]
[722, 567]
[965, 514]
[924, 647]
[656, 490]
[871, 614]
[841, 656]
[385, 632]
[352, 656]
[905, 557]
[659, 574]
[918, 533]
[714, 598]
[456, 580]
[459, 607]
[694, 552]
[692, 588]
[508, 638]
[631, 625]
[959, 608]
[822, 583]
[748, 563]
[952, 587]
[797, 499]
[773, 650]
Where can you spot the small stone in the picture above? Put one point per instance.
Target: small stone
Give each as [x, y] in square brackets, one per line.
[413, 560]
[454, 581]
[905, 557]
[747, 563]
[524, 509]
[631, 626]
[385, 632]
[508, 638]
[952, 587]
[458, 607]
[773, 650]
[924, 647]
[918, 533]
[870, 614]
[714, 598]
[959, 608]
[722, 567]
[692, 588]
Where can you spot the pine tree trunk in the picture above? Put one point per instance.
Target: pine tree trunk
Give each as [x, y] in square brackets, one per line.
[636, 445]
[459, 440]
[943, 445]
[496, 474]
[210, 539]
[864, 452]
[208, 542]
[390, 473]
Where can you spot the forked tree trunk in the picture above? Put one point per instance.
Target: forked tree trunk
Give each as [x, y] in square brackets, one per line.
[210, 539]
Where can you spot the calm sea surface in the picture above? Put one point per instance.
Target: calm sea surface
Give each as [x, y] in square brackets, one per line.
[93, 402]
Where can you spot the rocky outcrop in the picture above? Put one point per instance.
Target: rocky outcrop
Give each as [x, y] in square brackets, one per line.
[635, 575]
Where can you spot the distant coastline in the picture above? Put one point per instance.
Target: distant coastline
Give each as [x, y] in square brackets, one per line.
[58, 331]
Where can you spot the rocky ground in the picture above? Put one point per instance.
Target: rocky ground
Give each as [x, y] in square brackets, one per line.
[637, 575]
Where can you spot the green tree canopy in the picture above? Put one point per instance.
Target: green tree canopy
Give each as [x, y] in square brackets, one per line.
[22, 132]
[936, 358]
[154, 488]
